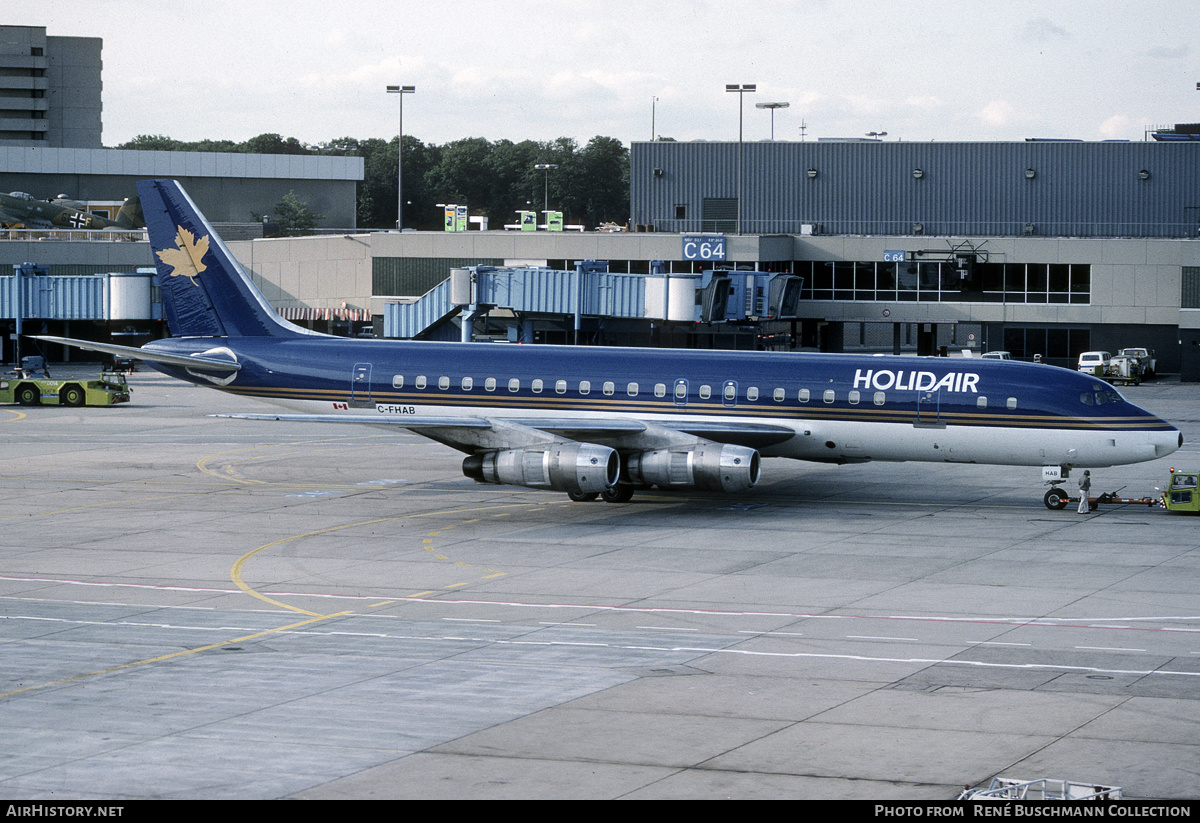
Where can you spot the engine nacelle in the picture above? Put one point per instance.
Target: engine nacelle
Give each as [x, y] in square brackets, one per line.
[713, 467]
[567, 467]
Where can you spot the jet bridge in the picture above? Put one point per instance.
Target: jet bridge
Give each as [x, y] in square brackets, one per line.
[593, 291]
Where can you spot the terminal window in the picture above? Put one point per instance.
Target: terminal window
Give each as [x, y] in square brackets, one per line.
[1189, 296]
[943, 282]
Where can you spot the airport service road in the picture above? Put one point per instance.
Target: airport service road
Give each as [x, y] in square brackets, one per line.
[201, 608]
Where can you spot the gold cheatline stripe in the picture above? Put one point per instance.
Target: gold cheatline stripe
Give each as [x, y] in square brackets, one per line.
[665, 406]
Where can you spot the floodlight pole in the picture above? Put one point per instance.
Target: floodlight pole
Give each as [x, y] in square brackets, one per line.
[546, 167]
[772, 107]
[741, 91]
[400, 90]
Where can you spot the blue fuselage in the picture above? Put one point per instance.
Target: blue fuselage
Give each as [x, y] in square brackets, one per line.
[839, 407]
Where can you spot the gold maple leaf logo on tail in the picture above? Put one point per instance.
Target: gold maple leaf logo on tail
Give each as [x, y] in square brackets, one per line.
[185, 260]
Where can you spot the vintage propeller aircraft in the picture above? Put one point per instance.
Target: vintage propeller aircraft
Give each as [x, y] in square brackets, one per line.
[21, 210]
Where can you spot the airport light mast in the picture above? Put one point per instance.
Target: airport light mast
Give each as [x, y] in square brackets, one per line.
[772, 107]
[547, 168]
[741, 91]
[400, 90]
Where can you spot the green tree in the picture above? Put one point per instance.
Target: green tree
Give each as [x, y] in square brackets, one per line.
[461, 173]
[513, 182]
[295, 217]
[590, 185]
[152, 142]
[273, 144]
[603, 181]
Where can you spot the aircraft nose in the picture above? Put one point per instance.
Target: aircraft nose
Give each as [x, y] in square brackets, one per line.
[1168, 442]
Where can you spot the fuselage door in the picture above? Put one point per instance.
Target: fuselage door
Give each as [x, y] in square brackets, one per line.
[360, 383]
[929, 409]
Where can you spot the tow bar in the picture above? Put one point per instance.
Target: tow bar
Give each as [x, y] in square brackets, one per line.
[1058, 498]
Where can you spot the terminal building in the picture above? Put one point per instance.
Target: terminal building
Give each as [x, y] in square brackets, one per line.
[1037, 247]
[1044, 248]
[50, 146]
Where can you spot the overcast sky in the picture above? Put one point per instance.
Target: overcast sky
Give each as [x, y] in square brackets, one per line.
[541, 69]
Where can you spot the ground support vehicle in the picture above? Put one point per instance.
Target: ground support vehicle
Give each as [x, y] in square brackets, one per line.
[1182, 494]
[1094, 363]
[1058, 498]
[1146, 357]
[1003, 788]
[1124, 369]
[111, 388]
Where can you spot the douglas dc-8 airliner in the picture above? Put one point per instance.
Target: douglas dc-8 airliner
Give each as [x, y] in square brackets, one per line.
[602, 422]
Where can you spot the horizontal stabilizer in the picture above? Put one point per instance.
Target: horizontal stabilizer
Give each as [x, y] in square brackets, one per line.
[148, 355]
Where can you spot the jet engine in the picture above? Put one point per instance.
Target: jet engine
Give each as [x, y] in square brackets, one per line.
[711, 466]
[583, 468]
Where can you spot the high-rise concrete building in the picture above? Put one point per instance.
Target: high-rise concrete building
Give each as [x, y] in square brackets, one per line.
[49, 89]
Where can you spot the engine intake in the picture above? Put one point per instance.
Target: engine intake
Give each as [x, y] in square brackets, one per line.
[569, 467]
[712, 467]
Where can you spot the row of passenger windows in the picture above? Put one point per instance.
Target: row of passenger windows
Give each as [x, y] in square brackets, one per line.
[728, 392]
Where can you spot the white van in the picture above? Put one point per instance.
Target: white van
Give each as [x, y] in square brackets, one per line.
[1094, 362]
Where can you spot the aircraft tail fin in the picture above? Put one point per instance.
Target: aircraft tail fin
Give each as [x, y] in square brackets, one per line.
[206, 292]
[130, 215]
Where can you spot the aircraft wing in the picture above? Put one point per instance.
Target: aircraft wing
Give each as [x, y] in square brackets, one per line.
[514, 432]
[7, 218]
[142, 354]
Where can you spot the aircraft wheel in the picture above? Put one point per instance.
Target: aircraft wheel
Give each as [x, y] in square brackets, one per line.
[583, 497]
[28, 396]
[1056, 499]
[617, 494]
[72, 396]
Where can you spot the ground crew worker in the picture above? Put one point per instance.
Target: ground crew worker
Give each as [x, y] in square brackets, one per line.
[1085, 485]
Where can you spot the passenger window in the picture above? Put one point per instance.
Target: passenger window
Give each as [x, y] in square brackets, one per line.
[880, 398]
[981, 402]
[752, 393]
[489, 384]
[585, 387]
[468, 383]
[537, 386]
[1012, 402]
[854, 398]
[705, 392]
[681, 390]
[398, 381]
[780, 395]
[660, 389]
[443, 383]
[803, 397]
[730, 392]
[632, 389]
[514, 385]
[829, 395]
[420, 381]
[609, 387]
[560, 386]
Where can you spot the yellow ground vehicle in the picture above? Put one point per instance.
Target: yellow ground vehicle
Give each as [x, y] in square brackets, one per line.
[1181, 494]
[109, 389]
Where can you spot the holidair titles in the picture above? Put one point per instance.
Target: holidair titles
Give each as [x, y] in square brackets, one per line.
[901, 380]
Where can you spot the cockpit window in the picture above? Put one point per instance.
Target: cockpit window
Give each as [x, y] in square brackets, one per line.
[1101, 394]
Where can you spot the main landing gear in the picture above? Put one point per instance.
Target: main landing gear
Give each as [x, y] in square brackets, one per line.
[620, 493]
